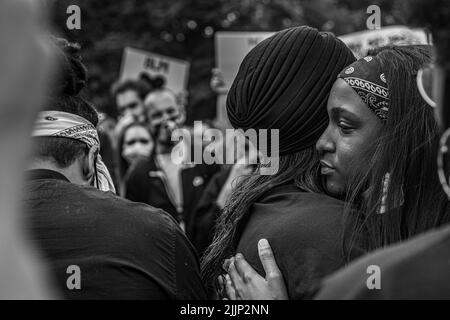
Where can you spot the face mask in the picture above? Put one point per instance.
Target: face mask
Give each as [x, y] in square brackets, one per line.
[137, 149]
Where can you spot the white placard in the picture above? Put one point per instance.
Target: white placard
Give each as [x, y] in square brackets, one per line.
[175, 71]
[360, 42]
[231, 48]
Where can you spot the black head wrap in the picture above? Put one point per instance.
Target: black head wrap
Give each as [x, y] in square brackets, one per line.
[284, 82]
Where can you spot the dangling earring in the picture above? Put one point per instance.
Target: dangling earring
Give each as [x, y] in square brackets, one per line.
[386, 179]
[398, 201]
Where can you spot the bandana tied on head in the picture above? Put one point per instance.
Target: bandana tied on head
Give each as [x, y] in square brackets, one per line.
[369, 82]
[284, 83]
[68, 125]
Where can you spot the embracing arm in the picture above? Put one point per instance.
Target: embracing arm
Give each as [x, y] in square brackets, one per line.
[242, 282]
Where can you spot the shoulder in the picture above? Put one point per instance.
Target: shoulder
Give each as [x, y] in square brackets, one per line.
[401, 266]
[138, 230]
[293, 192]
[305, 231]
[139, 214]
[295, 219]
[300, 205]
[289, 215]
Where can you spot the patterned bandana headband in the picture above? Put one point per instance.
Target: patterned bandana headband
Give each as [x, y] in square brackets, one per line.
[369, 82]
[68, 125]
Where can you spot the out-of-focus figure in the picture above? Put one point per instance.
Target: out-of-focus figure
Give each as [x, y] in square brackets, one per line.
[129, 97]
[160, 181]
[135, 143]
[218, 191]
[22, 84]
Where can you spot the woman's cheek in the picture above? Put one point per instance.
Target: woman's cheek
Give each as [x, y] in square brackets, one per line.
[347, 158]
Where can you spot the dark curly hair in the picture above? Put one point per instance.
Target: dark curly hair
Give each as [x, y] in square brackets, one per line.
[64, 95]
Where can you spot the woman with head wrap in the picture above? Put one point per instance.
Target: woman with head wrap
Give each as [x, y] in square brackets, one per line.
[284, 83]
[379, 153]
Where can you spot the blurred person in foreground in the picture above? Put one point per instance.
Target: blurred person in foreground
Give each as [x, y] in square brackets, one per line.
[22, 84]
[174, 186]
[123, 249]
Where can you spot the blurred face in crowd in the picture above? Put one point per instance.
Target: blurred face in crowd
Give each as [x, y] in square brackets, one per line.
[164, 114]
[130, 104]
[351, 130]
[137, 144]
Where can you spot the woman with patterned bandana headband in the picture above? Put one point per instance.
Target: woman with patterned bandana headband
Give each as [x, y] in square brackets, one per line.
[378, 152]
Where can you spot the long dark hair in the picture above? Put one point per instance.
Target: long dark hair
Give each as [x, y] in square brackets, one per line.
[300, 168]
[406, 149]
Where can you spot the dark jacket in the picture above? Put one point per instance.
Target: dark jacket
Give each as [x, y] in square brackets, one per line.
[146, 182]
[306, 233]
[207, 211]
[416, 269]
[124, 250]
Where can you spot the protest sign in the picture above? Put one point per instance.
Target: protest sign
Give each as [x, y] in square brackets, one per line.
[174, 71]
[360, 42]
[231, 48]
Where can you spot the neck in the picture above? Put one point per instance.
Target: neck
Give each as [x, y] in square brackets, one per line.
[72, 172]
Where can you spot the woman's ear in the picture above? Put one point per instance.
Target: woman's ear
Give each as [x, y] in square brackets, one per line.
[89, 163]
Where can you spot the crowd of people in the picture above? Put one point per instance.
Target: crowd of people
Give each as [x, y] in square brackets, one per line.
[356, 185]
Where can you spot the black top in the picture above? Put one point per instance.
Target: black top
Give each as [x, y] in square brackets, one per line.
[124, 250]
[207, 211]
[416, 269]
[146, 183]
[306, 233]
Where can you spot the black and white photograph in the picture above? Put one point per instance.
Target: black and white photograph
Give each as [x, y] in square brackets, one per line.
[219, 155]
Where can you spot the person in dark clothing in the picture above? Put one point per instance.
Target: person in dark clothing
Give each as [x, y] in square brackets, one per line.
[207, 212]
[124, 250]
[108, 154]
[216, 195]
[121, 249]
[307, 236]
[147, 182]
[283, 83]
[175, 186]
[416, 269]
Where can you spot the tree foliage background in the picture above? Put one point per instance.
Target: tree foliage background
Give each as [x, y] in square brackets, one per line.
[185, 29]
